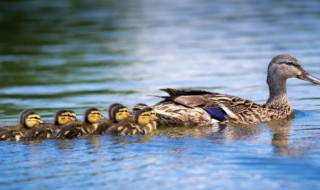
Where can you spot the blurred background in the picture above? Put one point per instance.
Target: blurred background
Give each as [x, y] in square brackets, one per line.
[78, 54]
[91, 53]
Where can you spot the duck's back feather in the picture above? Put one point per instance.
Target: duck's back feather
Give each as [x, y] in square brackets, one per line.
[42, 132]
[218, 106]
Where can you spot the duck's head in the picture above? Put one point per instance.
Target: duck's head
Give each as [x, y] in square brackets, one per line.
[138, 107]
[283, 67]
[63, 117]
[153, 114]
[30, 119]
[144, 116]
[93, 115]
[119, 113]
[111, 107]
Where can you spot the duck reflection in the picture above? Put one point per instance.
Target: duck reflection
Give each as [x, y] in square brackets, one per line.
[228, 133]
[280, 137]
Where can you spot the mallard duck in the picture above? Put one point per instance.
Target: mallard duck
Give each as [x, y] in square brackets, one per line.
[92, 116]
[140, 123]
[117, 113]
[197, 107]
[28, 120]
[47, 130]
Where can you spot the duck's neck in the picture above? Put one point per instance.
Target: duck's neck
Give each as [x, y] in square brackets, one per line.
[277, 92]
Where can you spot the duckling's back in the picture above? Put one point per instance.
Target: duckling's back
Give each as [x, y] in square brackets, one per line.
[124, 128]
[12, 133]
[41, 132]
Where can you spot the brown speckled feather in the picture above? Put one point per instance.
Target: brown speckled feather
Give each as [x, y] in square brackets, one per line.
[42, 132]
[75, 130]
[12, 133]
[124, 128]
[188, 109]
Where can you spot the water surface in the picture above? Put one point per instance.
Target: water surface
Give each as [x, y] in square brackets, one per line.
[79, 54]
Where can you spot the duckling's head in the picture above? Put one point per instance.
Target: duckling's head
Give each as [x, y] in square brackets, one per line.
[119, 113]
[92, 115]
[30, 119]
[111, 107]
[138, 107]
[63, 117]
[143, 117]
[153, 114]
[23, 113]
[283, 67]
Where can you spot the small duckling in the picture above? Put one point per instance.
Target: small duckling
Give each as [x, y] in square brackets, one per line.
[141, 123]
[28, 120]
[47, 130]
[153, 113]
[117, 113]
[92, 116]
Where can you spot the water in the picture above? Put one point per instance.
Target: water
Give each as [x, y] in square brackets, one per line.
[79, 54]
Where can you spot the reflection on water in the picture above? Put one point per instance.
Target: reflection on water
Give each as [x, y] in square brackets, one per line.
[79, 54]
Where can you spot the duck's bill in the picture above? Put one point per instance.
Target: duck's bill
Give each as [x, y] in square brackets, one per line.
[307, 77]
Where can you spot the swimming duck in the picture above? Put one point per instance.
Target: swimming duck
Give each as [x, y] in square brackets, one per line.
[140, 123]
[117, 113]
[153, 114]
[197, 107]
[28, 120]
[92, 116]
[47, 130]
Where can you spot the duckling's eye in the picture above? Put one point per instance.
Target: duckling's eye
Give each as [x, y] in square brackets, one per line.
[95, 113]
[145, 114]
[34, 118]
[125, 110]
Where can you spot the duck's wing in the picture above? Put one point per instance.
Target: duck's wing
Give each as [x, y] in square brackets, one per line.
[41, 132]
[12, 135]
[220, 107]
[179, 92]
[103, 127]
[8, 128]
[124, 128]
[72, 130]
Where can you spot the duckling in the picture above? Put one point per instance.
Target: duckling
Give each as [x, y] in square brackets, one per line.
[140, 123]
[47, 130]
[117, 113]
[28, 120]
[153, 113]
[92, 116]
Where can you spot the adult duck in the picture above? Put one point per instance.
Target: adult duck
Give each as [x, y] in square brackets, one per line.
[197, 107]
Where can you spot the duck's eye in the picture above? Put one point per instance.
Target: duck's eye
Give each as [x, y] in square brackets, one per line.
[123, 111]
[35, 118]
[95, 113]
